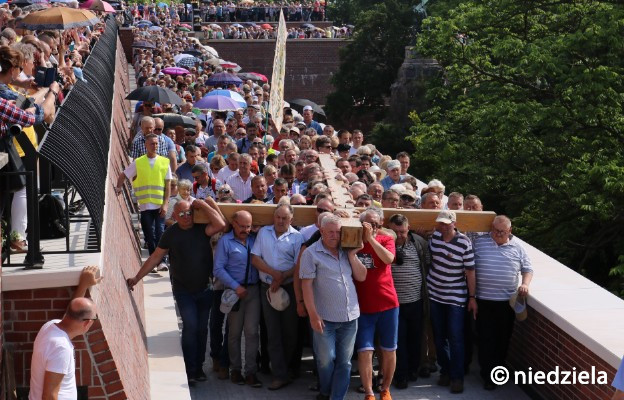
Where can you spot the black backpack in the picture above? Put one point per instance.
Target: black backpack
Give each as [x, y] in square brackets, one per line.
[51, 218]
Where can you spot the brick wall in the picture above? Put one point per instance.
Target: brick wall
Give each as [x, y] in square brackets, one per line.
[111, 359]
[538, 343]
[310, 63]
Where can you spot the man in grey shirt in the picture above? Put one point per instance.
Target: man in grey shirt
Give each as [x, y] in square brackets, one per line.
[327, 274]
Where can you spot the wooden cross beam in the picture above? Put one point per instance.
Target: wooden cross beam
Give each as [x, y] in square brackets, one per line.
[351, 236]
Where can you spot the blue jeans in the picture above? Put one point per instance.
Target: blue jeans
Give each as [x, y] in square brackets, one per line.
[194, 310]
[448, 335]
[333, 349]
[153, 226]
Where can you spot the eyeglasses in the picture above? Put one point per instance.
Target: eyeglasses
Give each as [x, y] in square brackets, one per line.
[185, 213]
[92, 319]
[321, 210]
[224, 191]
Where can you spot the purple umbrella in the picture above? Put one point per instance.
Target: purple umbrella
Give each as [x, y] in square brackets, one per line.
[217, 103]
[175, 71]
[223, 79]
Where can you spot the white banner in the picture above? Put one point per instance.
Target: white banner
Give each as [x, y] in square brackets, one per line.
[276, 103]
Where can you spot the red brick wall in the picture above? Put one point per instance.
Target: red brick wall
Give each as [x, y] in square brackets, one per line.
[539, 343]
[310, 63]
[112, 357]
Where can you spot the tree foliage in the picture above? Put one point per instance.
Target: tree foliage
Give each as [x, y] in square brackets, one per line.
[530, 117]
[369, 64]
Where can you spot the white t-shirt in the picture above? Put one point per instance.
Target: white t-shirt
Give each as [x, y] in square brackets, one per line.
[131, 172]
[225, 173]
[53, 351]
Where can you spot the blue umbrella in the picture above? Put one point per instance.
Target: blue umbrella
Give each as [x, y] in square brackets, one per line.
[224, 79]
[217, 103]
[144, 22]
[228, 93]
[162, 5]
[188, 62]
[155, 28]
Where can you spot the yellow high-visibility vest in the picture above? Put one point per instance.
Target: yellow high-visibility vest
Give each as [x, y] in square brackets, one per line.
[149, 185]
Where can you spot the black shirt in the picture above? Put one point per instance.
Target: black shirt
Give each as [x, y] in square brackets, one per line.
[190, 256]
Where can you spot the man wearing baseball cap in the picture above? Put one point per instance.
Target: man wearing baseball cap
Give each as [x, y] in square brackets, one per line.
[308, 115]
[451, 285]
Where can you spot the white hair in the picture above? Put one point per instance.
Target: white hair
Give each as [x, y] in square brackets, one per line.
[436, 183]
[329, 219]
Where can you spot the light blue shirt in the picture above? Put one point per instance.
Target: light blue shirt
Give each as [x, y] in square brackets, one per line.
[618, 381]
[387, 182]
[335, 296]
[230, 261]
[279, 253]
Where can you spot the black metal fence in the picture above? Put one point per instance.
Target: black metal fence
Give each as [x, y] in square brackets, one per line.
[77, 142]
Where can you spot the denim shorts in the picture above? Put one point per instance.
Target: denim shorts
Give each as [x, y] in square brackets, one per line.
[385, 324]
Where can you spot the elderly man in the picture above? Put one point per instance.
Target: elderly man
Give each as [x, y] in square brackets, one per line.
[409, 270]
[52, 371]
[219, 131]
[245, 143]
[188, 246]
[230, 169]
[308, 115]
[274, 254]
[185, 170]
[376, 190]
[150, 174]
[323, 205]
[138, 147]
[451, 285]
[390, 199]
[379, 304]
[472, 203]
[240, 181]
[393, 167]
[455, 201]
[232, 266]
[503, 270]
[172, 154]
[330, 297]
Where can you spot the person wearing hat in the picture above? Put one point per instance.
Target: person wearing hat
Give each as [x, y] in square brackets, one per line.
[393, 167]
[308, 115]
[451, 285]
[232, 266]
[274, 254]
[503, 271]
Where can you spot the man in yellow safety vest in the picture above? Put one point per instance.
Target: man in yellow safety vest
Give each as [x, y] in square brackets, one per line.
[151, 175]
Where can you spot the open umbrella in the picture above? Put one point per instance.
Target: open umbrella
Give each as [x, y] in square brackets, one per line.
[298, 105]
[254, 76]
[249, 23]
[307, 26]
[211, 51]
[188, 62]
[180, 56]
[143, 44]
[22, 3]
[155, 28]
[186, 26]
[144, 22]
[58, 18]
[183, 29]
[266, 26]
[230, 65]
[162, 5]
[172, 120]
[228, 93]
[217, 103]
[237, 26]
[97, 5]
[175, 71]
[155, 94]
[36, 7]
[193, 52]
[223, 79]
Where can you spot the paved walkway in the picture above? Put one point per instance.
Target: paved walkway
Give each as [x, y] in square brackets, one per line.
[423, 389]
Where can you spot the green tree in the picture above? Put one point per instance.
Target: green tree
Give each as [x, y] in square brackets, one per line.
[369, 64]
[530, 117]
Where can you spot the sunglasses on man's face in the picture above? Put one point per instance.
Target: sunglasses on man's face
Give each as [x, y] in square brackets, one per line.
[182, 214]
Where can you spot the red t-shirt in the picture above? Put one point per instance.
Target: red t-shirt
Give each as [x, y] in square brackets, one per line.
[377, 292]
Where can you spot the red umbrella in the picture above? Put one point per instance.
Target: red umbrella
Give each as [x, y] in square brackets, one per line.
[267, 26]
[259, 75]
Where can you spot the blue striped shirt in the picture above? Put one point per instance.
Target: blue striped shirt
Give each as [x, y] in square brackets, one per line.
[447, 276]
[335, 296]
[498, 268]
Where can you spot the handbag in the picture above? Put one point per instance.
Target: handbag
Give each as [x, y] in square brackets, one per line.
[14, 182]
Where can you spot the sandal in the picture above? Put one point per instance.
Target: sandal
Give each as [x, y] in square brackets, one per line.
[19, 246]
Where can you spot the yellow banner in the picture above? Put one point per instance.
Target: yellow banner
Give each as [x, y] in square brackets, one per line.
[276, 102]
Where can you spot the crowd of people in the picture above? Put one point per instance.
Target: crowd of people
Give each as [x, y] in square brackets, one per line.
[237, 31]
[28, 103]
[407, 296]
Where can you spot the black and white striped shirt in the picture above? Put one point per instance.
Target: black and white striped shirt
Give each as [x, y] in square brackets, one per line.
[407, 276]
[446, 281]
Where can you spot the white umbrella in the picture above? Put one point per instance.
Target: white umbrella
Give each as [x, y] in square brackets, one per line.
[212, 51]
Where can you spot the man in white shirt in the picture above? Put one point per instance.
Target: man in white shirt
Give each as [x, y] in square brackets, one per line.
[52, 370]
[240, 182]
[230, 169]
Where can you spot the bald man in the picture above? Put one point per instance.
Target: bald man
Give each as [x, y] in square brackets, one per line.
[53, 366]
[232, 266]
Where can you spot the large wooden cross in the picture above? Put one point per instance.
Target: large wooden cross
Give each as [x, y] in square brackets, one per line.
[467, 221]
